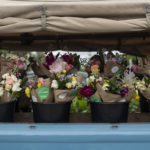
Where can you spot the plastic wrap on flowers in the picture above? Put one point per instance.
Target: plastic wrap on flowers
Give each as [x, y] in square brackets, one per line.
[5, 66]
[108, 97]
[44, 93]
[63, 95]
[111, 68]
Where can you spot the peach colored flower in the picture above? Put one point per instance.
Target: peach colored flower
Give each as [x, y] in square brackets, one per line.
[41, 80]
[9, 81]
[95, 69]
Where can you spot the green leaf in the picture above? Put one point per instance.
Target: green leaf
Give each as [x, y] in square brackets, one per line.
[95, 99]
[74, 92]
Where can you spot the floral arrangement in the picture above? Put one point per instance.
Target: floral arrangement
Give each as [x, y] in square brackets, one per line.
[95, 65]
[64, 81]
[65, 62]
[34, 84]
[20, 61]
[11, 85]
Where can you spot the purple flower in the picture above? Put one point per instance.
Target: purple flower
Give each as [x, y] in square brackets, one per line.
[67, 58]
[87, 91]
[124, 91]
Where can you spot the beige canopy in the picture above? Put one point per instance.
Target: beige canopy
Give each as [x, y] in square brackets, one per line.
[75, 25]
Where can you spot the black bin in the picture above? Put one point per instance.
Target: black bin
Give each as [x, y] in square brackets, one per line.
[51, 112]
[109, 112]
[7, 111]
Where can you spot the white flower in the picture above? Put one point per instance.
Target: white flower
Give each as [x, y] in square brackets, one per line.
[54, 84]
[74, 83]
[99, 79]
[16, 87]
[1, 91]
[87, 81]
[105, 86]
[92, 78]
[14, 78]
[5, 75]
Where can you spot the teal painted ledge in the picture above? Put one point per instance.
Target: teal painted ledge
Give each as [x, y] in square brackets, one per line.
[75, 136]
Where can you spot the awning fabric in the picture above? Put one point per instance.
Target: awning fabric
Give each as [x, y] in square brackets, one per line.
[77, 17]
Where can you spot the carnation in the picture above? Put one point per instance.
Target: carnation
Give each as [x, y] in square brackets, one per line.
[16, 87]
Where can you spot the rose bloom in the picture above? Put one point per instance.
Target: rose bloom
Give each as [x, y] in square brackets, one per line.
[95, 69]
[87, 91]
[9, 81]
[68, 67]
[21, 64]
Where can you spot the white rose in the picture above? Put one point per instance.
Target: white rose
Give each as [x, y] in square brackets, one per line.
[1, 91]
[16, 87]
[54, 84]
[5, 75]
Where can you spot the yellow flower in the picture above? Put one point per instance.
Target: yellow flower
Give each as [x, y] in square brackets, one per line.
[39, 85]
[69, 85]
[58, 74]
[27, 92]
[136, 97]
[73, 78]
[95, 69]
[64, 71]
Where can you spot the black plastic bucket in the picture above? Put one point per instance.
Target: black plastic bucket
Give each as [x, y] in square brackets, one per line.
[144, 106]
[51, 112]
[109, 112]
[7, 111]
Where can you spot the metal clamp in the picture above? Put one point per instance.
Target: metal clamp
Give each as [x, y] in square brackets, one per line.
[147, 7]
[43, 16]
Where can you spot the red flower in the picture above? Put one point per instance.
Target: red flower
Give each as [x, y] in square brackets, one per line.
[50, 59]
[87, 91]
[67, 58]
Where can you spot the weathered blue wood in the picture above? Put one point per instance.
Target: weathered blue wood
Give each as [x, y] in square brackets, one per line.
[75, 136]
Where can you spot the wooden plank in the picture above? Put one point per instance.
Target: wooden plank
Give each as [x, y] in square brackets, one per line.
[81, 118]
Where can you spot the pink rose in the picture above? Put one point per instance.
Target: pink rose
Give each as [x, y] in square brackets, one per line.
[9, 81]
[20, 65]
[68, 67]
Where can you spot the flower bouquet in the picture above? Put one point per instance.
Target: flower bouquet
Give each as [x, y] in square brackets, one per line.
[109, 99]
[143, 86]
[13, 63]
[10, 87]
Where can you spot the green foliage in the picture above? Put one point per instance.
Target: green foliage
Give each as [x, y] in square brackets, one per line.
[95, 99]
[147, 81]
[114, 87]
[80, 106]
[134, 106]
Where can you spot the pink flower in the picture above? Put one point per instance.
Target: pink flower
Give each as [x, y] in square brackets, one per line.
[41, 80]
[9, 81]
[20, 64]
[58, 66]
[99, 81]
[135, 68]
[68, 67]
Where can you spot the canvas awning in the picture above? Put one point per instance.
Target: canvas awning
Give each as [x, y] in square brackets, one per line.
[76, 25]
